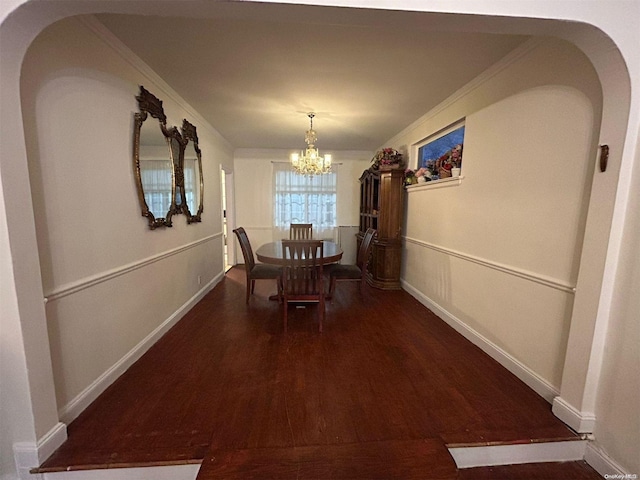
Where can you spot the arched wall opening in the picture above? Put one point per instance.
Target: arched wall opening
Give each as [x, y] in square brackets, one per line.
[35, 407]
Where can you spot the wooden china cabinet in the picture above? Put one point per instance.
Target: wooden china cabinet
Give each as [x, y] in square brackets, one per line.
[382, 208]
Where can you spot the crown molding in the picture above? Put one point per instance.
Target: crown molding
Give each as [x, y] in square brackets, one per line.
[104, 34]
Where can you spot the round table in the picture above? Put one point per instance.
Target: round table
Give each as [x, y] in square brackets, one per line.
[272, 253]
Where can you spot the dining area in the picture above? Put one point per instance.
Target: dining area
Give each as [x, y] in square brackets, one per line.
[304, 270]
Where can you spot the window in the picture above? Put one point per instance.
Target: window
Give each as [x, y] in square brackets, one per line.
[304, 199]
[440, 156]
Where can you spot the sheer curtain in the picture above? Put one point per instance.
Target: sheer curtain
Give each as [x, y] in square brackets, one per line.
[303, 199]
[156, 178]
[191, 185]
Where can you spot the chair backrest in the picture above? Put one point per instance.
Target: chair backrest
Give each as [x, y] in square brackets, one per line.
[301, 231]
[247, 252]
[365, 249]
[302, 273]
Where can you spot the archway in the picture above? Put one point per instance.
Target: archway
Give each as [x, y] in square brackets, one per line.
[37, 416]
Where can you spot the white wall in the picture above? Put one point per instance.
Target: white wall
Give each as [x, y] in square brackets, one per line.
[617, 429]
[500, 252]
[254, 189]
[495, 254]
[78, 96]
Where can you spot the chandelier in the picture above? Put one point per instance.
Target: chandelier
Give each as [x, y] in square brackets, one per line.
[310, 162]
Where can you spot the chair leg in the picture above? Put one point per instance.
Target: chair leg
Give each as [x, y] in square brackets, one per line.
[248, 290]
[363, 280]
[253, 286]
[321, 313]
[286, 307]
[332, 286]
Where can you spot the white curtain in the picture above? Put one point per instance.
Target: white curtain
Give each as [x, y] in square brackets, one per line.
[156, 178]
[191, 185]
[304, 199]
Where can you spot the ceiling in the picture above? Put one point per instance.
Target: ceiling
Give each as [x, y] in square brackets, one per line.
[254, 71]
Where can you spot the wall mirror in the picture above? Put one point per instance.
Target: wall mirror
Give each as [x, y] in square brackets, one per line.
[154, 161]
[168, 165]
[192, 185]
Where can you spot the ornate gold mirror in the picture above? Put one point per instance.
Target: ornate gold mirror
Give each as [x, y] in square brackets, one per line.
[154, 161]
[192, 184]
[168, 165]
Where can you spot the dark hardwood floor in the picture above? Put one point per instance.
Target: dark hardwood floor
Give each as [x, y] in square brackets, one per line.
[227, 383]
[532, 471]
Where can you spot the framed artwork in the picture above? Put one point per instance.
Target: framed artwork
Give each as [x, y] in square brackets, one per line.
[440, 156]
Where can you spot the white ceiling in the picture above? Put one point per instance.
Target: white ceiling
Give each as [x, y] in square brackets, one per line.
[254, 71]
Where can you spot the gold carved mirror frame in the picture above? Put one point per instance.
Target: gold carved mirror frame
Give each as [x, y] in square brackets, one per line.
[146, 148]
[192, 185]
[168, 181]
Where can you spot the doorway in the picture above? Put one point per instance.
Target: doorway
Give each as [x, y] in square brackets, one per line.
[226, 189]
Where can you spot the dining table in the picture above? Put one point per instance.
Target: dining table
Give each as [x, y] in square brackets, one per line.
[272, 253]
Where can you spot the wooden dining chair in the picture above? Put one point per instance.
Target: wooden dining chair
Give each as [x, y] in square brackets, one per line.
[302, 276]
[357, 272]
[255, 271]
[301, 231]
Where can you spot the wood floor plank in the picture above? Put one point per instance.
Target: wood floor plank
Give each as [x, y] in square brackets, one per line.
[426, 459]
[227, 378]
[533, 471]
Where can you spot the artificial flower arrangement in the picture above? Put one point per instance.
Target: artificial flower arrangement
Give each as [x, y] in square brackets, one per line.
[449, 160]
[442, 167]
[387, 157]
[412, 177]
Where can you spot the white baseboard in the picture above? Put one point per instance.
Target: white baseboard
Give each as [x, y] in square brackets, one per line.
[604, 464]
[469, 457]
[171, 472]
[71, 410]
[28, 455]
[581, 422]
[528, 376]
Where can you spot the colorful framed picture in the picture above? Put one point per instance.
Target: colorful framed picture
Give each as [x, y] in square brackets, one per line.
[440, 156]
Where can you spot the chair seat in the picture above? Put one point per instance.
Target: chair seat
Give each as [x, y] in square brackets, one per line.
[261, 271]
[353, 272]
[255, 271]
[345, 271]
